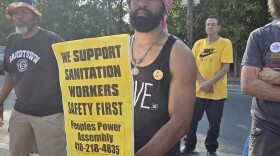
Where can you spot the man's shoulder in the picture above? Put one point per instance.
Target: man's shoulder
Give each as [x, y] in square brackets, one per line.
[263, 29]
[200, 40]
[13, 35]
[50, 34]
[225, 40]
[263, 32]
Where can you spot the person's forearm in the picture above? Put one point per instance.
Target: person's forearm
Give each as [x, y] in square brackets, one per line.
[270, 76]
[259, 89]
[219, 75]
[199, 78]
[276, 79]
[165, 138]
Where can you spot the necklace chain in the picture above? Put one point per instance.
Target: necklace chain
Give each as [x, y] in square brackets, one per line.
[135, 61]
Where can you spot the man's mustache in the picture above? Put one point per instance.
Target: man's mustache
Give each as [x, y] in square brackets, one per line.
[142, 9]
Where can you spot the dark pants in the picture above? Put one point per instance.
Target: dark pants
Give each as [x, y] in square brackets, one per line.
[214, 111]
[263, 142]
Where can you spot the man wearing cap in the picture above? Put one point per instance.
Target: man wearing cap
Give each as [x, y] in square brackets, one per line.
[164, 74]
[31, 70]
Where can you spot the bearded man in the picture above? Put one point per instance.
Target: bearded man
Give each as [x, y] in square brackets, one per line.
[164, 74]
[31, 70]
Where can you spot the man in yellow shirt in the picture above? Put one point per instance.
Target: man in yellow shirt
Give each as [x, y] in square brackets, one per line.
[213, 56]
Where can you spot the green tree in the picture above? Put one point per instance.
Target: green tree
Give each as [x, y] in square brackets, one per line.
[5, 27]
[238, 19]
[75, 19]
[91, 18]
[177, 20]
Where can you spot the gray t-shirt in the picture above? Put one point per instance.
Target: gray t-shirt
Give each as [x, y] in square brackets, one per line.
[263, 50]
[35, 73]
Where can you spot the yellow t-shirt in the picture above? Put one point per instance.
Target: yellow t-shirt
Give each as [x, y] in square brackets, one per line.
[209, 59]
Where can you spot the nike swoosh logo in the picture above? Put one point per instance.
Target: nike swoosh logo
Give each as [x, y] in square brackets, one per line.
[205, 54]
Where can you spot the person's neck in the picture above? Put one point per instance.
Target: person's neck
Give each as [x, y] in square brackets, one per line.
[31, 32]
[147, 38]
[212, 38]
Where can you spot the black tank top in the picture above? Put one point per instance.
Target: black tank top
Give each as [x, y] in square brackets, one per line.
[151, 99]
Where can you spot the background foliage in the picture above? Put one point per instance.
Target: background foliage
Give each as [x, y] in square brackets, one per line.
[75, 19]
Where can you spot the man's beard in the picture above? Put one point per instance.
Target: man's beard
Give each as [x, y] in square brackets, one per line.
[21, 29]
[145, 24]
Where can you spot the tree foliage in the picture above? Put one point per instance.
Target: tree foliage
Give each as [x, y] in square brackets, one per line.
[238, 17]
[75, 19]
[5, 27]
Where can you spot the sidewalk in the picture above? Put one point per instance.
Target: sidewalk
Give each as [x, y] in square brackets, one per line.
[203, 151]
[4, 136]
[4, 145]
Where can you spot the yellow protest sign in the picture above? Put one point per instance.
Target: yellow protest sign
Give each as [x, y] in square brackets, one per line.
[96, 87]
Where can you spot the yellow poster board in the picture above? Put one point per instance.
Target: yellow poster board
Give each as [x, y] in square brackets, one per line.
[96, 87]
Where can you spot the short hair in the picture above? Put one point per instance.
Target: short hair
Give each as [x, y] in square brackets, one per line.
[274, 8]
[215, 17]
